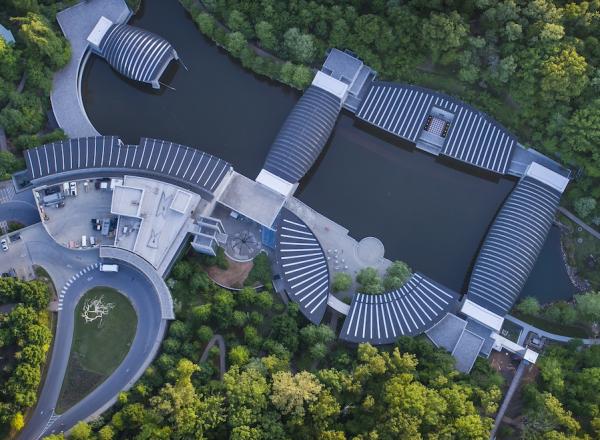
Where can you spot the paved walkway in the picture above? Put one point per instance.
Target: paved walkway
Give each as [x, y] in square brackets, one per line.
[580, 222]
[76, 23]
[530, 328]
[216, 339]
[514, 386]
[344, 253]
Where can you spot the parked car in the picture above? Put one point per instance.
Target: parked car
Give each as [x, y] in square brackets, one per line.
[73, 186]
[4, 244]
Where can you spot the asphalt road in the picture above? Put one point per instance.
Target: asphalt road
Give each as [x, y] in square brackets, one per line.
[17, 210]
[18, 206]
[74, 272]
[135, 287]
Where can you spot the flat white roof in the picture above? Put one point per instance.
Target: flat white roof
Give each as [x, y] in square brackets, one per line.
[159, 225]
[252, 199]
[547, 176]
[181, 201]
[276, 183]
[483, 315]
[531, 355]
[332, 85]
[126, 201]
[95, 37]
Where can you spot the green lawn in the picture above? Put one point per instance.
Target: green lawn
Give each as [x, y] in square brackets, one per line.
[552, 327]
[98, 346]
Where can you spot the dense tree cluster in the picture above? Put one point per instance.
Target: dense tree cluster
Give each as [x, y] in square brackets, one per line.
[534, 65]
[24, 341]
[290, 380]
[564, 401]
[27, 67]
[584, 310]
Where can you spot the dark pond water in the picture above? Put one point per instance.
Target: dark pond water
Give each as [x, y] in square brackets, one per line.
[428, 212]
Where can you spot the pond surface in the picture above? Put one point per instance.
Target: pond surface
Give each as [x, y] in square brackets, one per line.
[429, 212]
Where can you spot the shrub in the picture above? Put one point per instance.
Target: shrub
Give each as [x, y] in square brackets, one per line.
[239, 355]
[341, 282]
[239, 318]
[584, 206]
[220, 260]
[396, 275]
[201, 314]
[25, 141]
[369, 281]
[561, 312]
[261, 271]
[252, 337]
[171, 345]
[588, 307]
[204, 333]
[529, 306]
[264, 300]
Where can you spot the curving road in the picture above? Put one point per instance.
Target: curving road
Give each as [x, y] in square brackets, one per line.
[18, 207]
[150, 330]
[74, 272]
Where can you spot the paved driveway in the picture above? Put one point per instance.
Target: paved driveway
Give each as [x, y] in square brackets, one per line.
[74, 272]
[148, 334]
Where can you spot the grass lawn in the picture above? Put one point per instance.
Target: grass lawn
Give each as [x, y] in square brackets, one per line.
[98, 346]
[510, 330]
[552, 327]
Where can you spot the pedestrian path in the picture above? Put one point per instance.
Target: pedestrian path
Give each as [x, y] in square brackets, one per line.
[71, 280]
[51, 420]
[7, 193]
[580, 222]
[530, 328]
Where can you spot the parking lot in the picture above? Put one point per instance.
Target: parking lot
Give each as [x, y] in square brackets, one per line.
[71, 219]
[15, 261]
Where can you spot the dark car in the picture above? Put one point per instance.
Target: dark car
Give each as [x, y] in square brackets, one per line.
[52, 190]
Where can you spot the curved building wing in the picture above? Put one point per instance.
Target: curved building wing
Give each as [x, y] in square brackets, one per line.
[302, 266]
[512, 245]
[303, 135]
[169, 161]
[136, 53]
[410, 310]
[439, 124]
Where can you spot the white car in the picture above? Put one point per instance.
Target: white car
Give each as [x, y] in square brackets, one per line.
[73, 187]
[4, 244]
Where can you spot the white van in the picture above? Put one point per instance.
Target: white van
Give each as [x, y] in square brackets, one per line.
[109, 268]
[83, 241]
[92, 241]
[66, 190]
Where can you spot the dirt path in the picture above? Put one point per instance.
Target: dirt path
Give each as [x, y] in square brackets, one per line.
[233, 277]
[216, 339]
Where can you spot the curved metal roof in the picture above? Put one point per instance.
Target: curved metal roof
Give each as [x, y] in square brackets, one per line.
[302, 266]
[473, 137]
[303, 135]
[182, 165]
[512, 245]
[136, 53]
[410, 310]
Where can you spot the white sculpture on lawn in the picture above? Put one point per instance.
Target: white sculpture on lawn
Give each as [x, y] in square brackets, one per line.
[94, 309]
